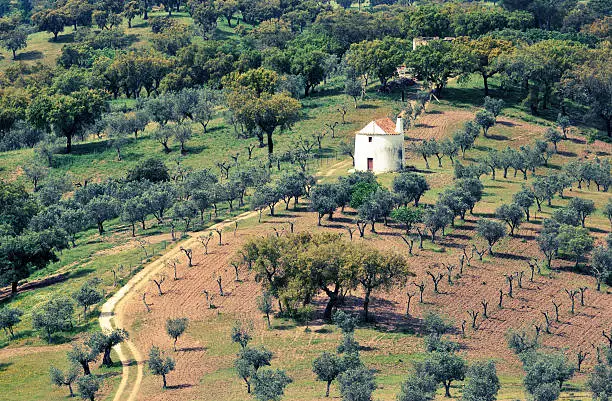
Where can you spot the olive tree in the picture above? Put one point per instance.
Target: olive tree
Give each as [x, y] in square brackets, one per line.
[327, 367]
[323, 200]
[445, 367]
[65, 378]
[492, 231]
[176, 327]
[357, 384]
[54, 316]
[104, 343]
[512, 214]
[88, 387]
[482, 382]
[269, 384]
[88, 295]
[410, 187]
[83, 355]
[9, 318]
[249, 361]
[485, 119]
[158, 365]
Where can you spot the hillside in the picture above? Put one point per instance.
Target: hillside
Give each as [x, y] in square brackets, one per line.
[152, 156]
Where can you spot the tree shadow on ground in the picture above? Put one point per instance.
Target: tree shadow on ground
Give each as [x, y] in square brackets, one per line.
[29, 55]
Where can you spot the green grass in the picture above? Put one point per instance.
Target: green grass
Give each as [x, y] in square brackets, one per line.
[26, 377]
[392, 354]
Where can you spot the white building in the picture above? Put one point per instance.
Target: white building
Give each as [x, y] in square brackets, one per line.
[379, 146]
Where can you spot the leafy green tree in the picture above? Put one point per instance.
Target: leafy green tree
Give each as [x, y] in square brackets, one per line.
[102, 208]
[88, 387]
[567, 216]
[14, 39]
[307, 62]
[436, 219]
[357, 384]
[205, 15]
[600, 380]
[494, 106]
[512, 214]
[553, 136]
[589, 83]
[378, 205]
[73, 221]
[601, 264]
[151, 169]
[264, 304]
[135, 210]
[51, 20]
[546, 369]
[185, 211]
[104, 343]
[158, 365]
[35, 172]
[266, 196]
[445, 367]
[492, 231]
[182, 133]
[354, 88]
[465, 137]
[249, 361]
[574, 241]
[418, 387]
[408, 216]
[410, 187]
[67, 378]
[425, 149]
[323, 200]
[9, 318]
[241, 334]
[486, 52]
[83, 355]
[88, 295]
[163, 135]
[485, 119]
[377, 270]
[327, 367]
[269, 384]
[275, 111]
[130, 10]
[67, 115]
[548, 240]
[483, 383]
[584, 207]
[345, 322]
[524, 199]
[19, 254]
[176, 327]
[206, 107]
[521, 342]
[438, 61]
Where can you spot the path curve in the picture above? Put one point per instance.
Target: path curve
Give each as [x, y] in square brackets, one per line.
[109, 320]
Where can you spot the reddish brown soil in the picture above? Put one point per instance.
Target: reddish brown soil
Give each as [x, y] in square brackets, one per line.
[481, 281]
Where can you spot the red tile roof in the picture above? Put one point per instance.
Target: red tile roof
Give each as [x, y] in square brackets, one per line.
[387, 125]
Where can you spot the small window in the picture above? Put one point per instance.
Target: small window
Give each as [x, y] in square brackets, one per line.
[369, 139]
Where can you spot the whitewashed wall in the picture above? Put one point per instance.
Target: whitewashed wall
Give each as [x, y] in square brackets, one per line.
[386, 150]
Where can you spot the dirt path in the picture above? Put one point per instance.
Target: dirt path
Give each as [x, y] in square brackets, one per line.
[109, 320]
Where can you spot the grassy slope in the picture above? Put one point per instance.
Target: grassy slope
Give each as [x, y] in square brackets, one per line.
[95, 257]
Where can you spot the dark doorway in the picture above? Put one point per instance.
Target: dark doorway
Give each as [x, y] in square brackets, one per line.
[370, 164]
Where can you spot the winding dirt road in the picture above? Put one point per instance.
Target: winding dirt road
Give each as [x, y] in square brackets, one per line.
[127, 352]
